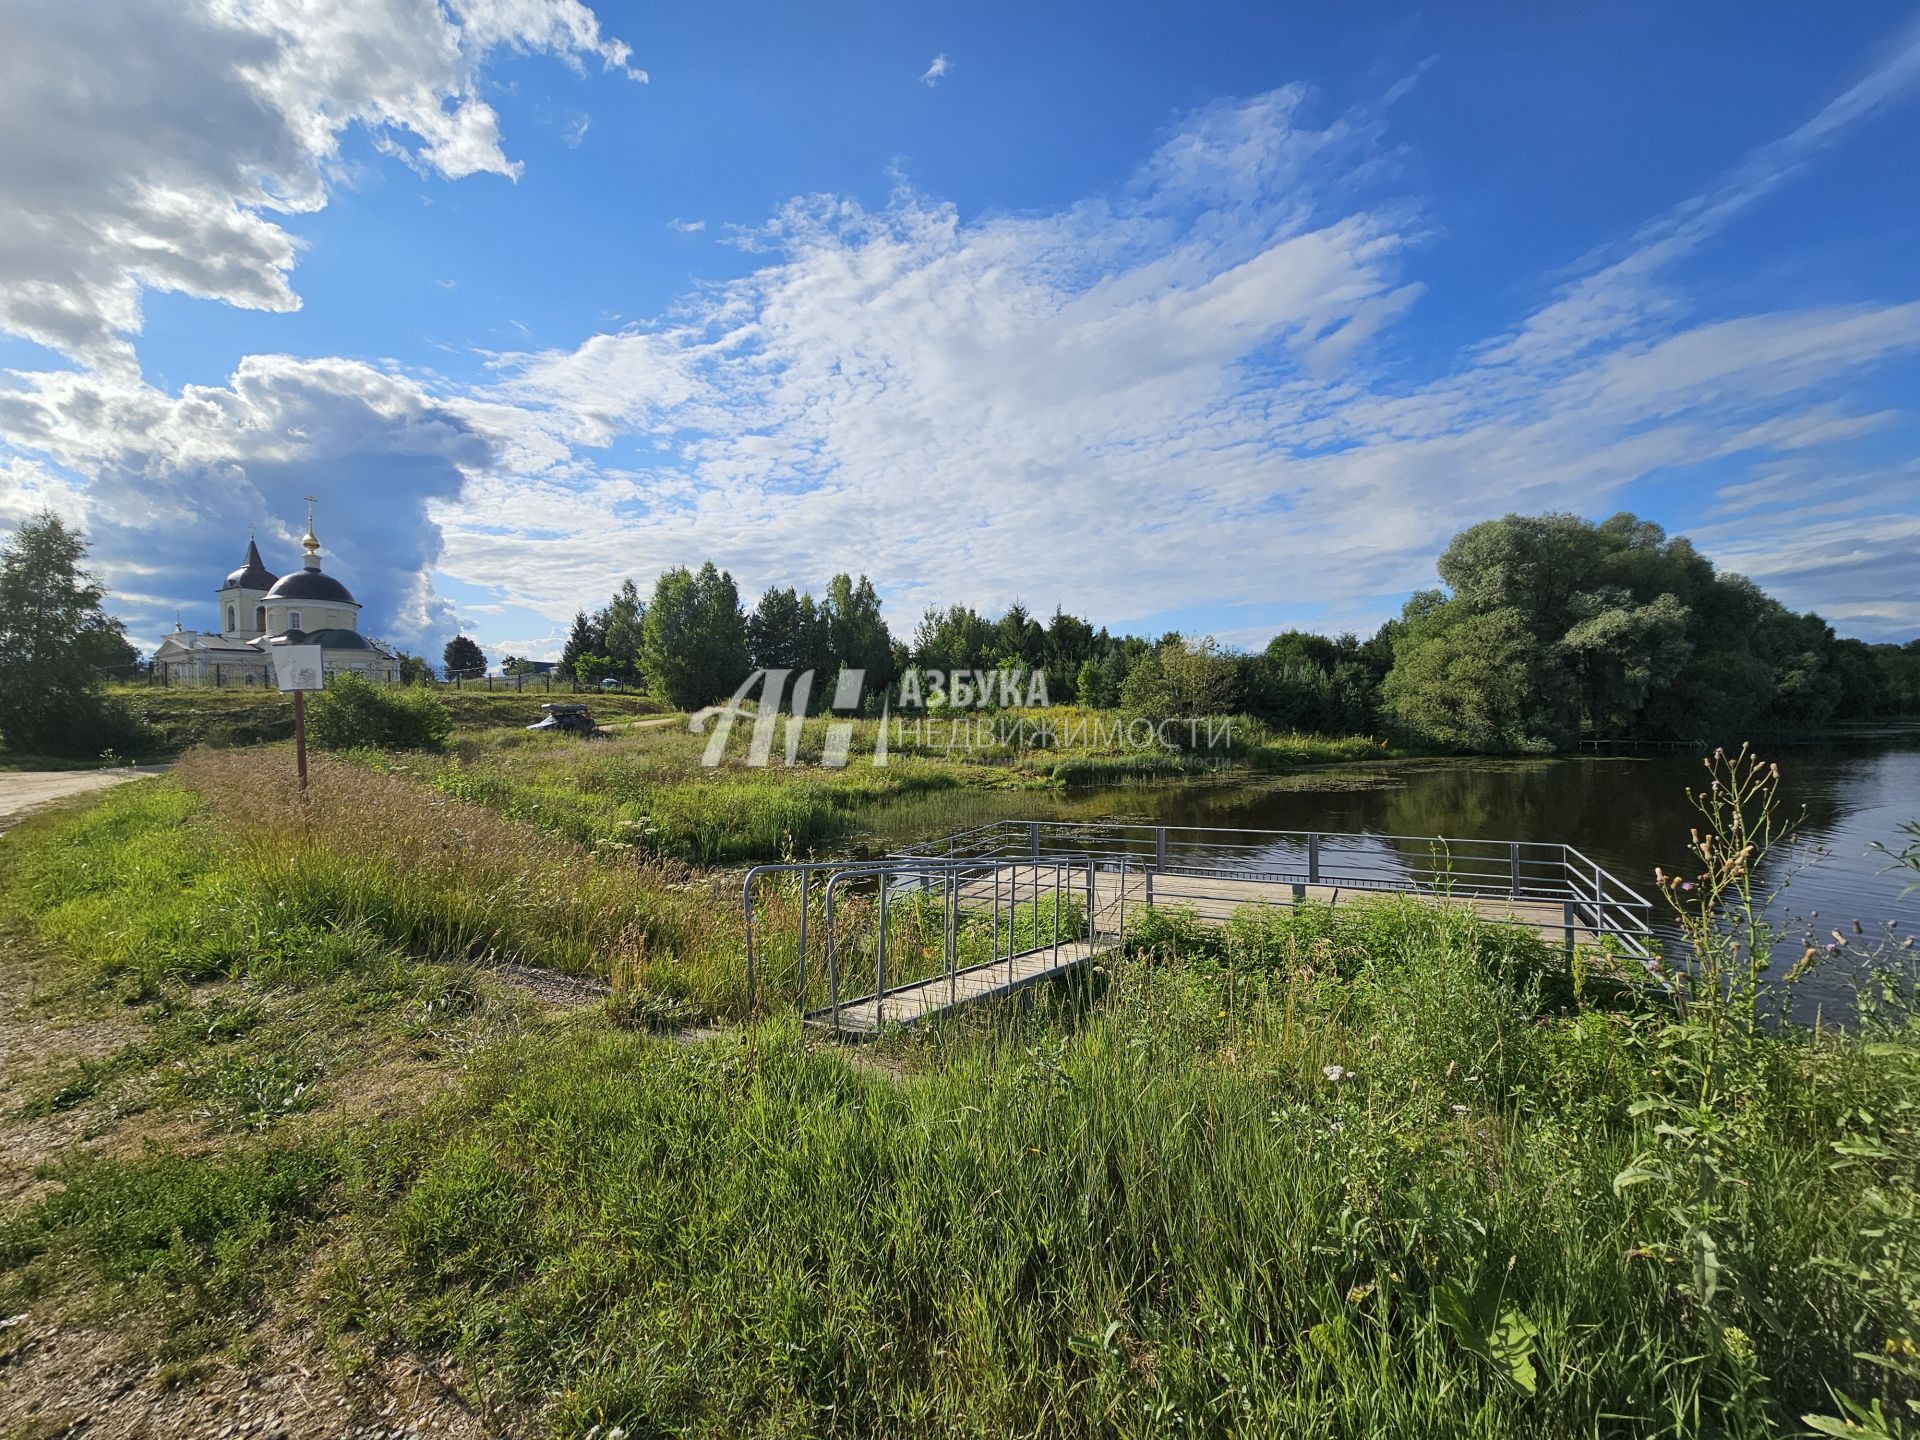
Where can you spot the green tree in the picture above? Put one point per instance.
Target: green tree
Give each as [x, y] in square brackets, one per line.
[774, 630]
[857, 634]
[1622, 653]
[1467, 680]
[414, 670]
[622, 632]
[53, 635]
[1180, 677]
[582, 639]
[956, 638]
[694, 645]
[463, 659]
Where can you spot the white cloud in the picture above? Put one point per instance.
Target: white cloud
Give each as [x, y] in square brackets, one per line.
[1178, 395]
[935, 72]
[1138, 404]
[687, 227]
[171, 483]
[152, 144]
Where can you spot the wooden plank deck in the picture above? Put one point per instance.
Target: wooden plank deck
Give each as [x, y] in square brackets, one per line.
[922, 998]
[1214, 898]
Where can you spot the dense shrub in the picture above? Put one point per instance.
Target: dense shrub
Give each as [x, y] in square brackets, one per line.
[352, 712]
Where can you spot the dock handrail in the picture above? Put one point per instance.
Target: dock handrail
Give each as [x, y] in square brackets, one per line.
[955, 874]
[1526, 871]
[1551, 886]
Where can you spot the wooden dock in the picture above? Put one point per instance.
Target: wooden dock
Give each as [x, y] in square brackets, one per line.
[919, 999]
[1213, 899]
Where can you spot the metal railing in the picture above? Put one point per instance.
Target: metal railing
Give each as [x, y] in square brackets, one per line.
[1067, 900]
[1547, 878]
[1104, 868]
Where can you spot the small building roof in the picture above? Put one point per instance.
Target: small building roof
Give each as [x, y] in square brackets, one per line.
[252, 575]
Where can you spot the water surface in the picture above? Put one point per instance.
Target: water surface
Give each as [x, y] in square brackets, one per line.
[1628, 813]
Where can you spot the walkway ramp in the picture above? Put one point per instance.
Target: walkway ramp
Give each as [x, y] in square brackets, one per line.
[854, 942]
[942, 994]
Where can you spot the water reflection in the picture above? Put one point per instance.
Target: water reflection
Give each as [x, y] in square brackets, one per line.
[1628, 814]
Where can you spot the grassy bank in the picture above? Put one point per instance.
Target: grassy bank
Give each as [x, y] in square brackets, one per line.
[184, 716]
[1377, 1169]
[650, 791]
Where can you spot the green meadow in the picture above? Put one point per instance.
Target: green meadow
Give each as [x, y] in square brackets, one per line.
[1376, 1169]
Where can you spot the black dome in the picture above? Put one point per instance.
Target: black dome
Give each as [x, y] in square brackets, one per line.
[310, 585]
[328, 639]
[252, 575]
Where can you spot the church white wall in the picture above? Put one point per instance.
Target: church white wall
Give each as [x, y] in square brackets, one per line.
[314, 615]
[245, 605]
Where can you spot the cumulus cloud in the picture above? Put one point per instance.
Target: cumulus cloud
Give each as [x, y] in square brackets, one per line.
[1143, 402]
[935, 72]
[154, 144]
[1183, 393]
[172, 482]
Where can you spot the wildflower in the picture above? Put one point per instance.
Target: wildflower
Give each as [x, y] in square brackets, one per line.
[1335, 1073]
[1358, 1293]
[1739, 1345]
[1686, 885]
[1459, 1109]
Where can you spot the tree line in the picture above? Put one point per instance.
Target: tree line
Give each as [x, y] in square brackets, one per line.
[1547, 629]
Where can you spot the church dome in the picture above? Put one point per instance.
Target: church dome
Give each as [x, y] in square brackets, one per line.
[329, 639]
[311, 585]
[253, 575]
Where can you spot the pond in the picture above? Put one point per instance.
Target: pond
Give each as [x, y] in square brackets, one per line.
[1630, 814]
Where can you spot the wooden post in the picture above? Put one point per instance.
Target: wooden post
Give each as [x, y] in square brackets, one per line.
[300, 737]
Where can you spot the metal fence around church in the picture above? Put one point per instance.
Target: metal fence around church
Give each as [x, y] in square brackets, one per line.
[235, 677]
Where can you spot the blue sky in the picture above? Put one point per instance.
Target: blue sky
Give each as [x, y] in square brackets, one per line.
[1217, 320]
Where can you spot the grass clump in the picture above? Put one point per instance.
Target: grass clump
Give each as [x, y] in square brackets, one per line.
[352, 713]
[1372, 1191]
[192, 1242]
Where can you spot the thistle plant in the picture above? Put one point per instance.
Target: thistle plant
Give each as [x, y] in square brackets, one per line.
[1721, 909]
[1694, 1210]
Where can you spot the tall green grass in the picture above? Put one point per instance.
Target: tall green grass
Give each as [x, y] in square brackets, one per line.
[1346, 1178]
[221, 867]
[1374, 1169]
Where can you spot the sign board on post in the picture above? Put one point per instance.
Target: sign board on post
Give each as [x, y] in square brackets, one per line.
[299, 668]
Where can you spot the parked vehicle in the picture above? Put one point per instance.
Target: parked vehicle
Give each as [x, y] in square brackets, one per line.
[573, 719]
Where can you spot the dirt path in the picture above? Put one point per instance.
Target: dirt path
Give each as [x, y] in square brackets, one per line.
[24, 790]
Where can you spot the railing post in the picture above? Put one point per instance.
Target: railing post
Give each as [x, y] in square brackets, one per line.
[880, 965]
[1567, 918]
[804, 900]
[1093, 925]
[1056, 912]
[1513, 870]
[1033, 837]
[1313, 859]
[833, 959]
[1013, 915]
[952, 919]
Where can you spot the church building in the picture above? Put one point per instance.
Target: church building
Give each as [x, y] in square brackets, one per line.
[258, 609]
